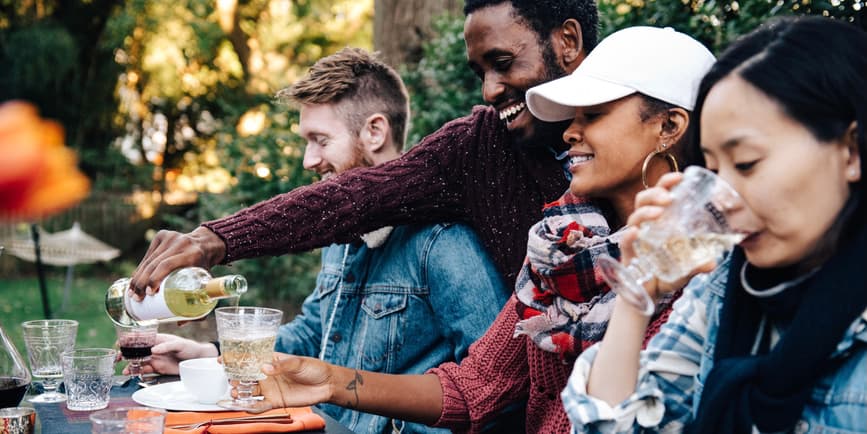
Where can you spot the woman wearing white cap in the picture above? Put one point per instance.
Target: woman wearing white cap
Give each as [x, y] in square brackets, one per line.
[774, 339]
[630, 100]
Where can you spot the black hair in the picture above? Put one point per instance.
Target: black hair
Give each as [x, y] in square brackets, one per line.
[815, 68]
[543, 16]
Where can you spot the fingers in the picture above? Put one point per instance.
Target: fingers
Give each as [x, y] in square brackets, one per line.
[283, 364]
[669, 180]
[627, 243]
[168, 251]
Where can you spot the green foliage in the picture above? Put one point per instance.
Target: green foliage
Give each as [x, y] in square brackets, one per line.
[263, 165]
[441, 86]
[717, 23]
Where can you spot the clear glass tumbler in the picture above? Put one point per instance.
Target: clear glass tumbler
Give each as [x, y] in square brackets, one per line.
[247, 336]
[87, 374]
[691, 231]
[45, 339]
[128, 420]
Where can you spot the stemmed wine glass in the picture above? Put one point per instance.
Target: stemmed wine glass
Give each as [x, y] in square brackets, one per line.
[247, 336]
[135, 342]
[691, 231]
[45, 339]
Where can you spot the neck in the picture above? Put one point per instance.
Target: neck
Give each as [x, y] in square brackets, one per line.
[623, 205]
[388, 152]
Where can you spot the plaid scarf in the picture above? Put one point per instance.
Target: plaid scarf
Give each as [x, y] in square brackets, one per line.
[563, 302]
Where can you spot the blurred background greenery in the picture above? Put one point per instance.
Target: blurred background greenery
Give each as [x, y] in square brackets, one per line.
[168, 104]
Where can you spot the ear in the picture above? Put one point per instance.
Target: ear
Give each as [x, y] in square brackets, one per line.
[375, 133]
[673, 125]
[568, 44]
[852, 153]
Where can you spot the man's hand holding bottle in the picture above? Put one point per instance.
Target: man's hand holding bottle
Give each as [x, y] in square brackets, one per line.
[170, 251]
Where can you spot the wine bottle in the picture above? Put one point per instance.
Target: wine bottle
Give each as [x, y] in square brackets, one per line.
[185, 294]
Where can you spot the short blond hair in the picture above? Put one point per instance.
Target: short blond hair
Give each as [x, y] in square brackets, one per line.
[359, 85]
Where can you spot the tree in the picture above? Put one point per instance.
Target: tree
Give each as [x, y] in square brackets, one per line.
[716, 23]
[400, 27]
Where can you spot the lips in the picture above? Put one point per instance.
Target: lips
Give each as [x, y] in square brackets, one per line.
[510, 113]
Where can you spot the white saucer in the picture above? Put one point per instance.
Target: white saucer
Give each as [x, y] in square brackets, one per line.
[172, 396]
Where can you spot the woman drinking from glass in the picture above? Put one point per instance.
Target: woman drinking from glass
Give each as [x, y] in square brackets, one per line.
[773, 339]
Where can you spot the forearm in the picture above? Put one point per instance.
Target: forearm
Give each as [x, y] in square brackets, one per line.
[415, 398]
[416, 188]
[615, 370]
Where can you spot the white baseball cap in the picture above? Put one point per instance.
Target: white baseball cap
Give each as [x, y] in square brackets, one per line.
[662, 63]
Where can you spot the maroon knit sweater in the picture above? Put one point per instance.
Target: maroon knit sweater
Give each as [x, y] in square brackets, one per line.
[501, 370]
[469, 170]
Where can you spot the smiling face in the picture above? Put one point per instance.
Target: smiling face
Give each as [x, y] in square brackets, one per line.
[509, 59]
[608, 144]
[332, 148]
[794, 184]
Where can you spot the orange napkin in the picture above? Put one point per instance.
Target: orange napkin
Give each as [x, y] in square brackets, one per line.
[303, 419]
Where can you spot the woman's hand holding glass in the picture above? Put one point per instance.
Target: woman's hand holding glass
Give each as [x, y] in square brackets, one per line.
[678, 229]
[296, 381]
[649, 206]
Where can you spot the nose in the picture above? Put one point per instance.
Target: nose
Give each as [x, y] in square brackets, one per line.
[492, 88]
[312, 156]
[574, 134]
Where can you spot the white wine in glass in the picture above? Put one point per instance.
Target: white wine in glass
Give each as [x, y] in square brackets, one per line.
[247, 336]
[691, 231]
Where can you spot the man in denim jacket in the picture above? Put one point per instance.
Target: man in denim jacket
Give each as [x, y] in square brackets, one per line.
[399, 300]
[402, 299]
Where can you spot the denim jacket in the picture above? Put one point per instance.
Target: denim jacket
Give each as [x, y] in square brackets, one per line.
[416, 301]
[679, 358]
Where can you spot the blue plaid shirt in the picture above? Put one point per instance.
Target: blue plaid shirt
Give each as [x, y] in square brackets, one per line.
[678, 359]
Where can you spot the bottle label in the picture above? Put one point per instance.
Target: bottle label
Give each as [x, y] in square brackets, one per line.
[151, 307]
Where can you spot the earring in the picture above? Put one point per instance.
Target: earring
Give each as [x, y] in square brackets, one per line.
[853, 173]
[663, 152]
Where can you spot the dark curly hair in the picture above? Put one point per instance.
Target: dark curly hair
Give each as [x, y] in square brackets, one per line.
[543, 16]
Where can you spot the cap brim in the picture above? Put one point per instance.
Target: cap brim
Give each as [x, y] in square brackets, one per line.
[556, 100]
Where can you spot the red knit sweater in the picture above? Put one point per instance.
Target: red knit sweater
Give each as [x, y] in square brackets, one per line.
[468, 170]
[500, 370]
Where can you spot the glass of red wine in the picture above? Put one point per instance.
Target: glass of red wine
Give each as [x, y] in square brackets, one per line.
[135, 342]
[14, 376]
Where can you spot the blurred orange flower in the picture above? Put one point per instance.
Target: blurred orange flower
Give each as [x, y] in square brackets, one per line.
[38, 173]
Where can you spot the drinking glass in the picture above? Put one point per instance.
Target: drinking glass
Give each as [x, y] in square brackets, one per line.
[135, 342]
[45, 339]
[14, 377]
[17, 420]
[247, 336]
[691, 231]
[87, 375]
[128, 420]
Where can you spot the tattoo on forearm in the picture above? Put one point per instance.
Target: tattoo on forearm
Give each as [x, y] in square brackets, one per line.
[353, 386]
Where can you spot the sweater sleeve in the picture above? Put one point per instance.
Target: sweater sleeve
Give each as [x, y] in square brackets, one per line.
[422, 186]
[493, 376]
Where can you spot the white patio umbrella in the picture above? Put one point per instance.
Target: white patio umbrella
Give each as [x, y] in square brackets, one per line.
[64, 248]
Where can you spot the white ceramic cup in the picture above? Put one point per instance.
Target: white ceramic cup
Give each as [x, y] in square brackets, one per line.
[205, 379]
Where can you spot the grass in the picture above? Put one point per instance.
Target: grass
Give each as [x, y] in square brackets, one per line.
[20, 301]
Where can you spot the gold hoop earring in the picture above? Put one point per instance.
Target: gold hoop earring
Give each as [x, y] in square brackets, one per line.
[669, 157]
